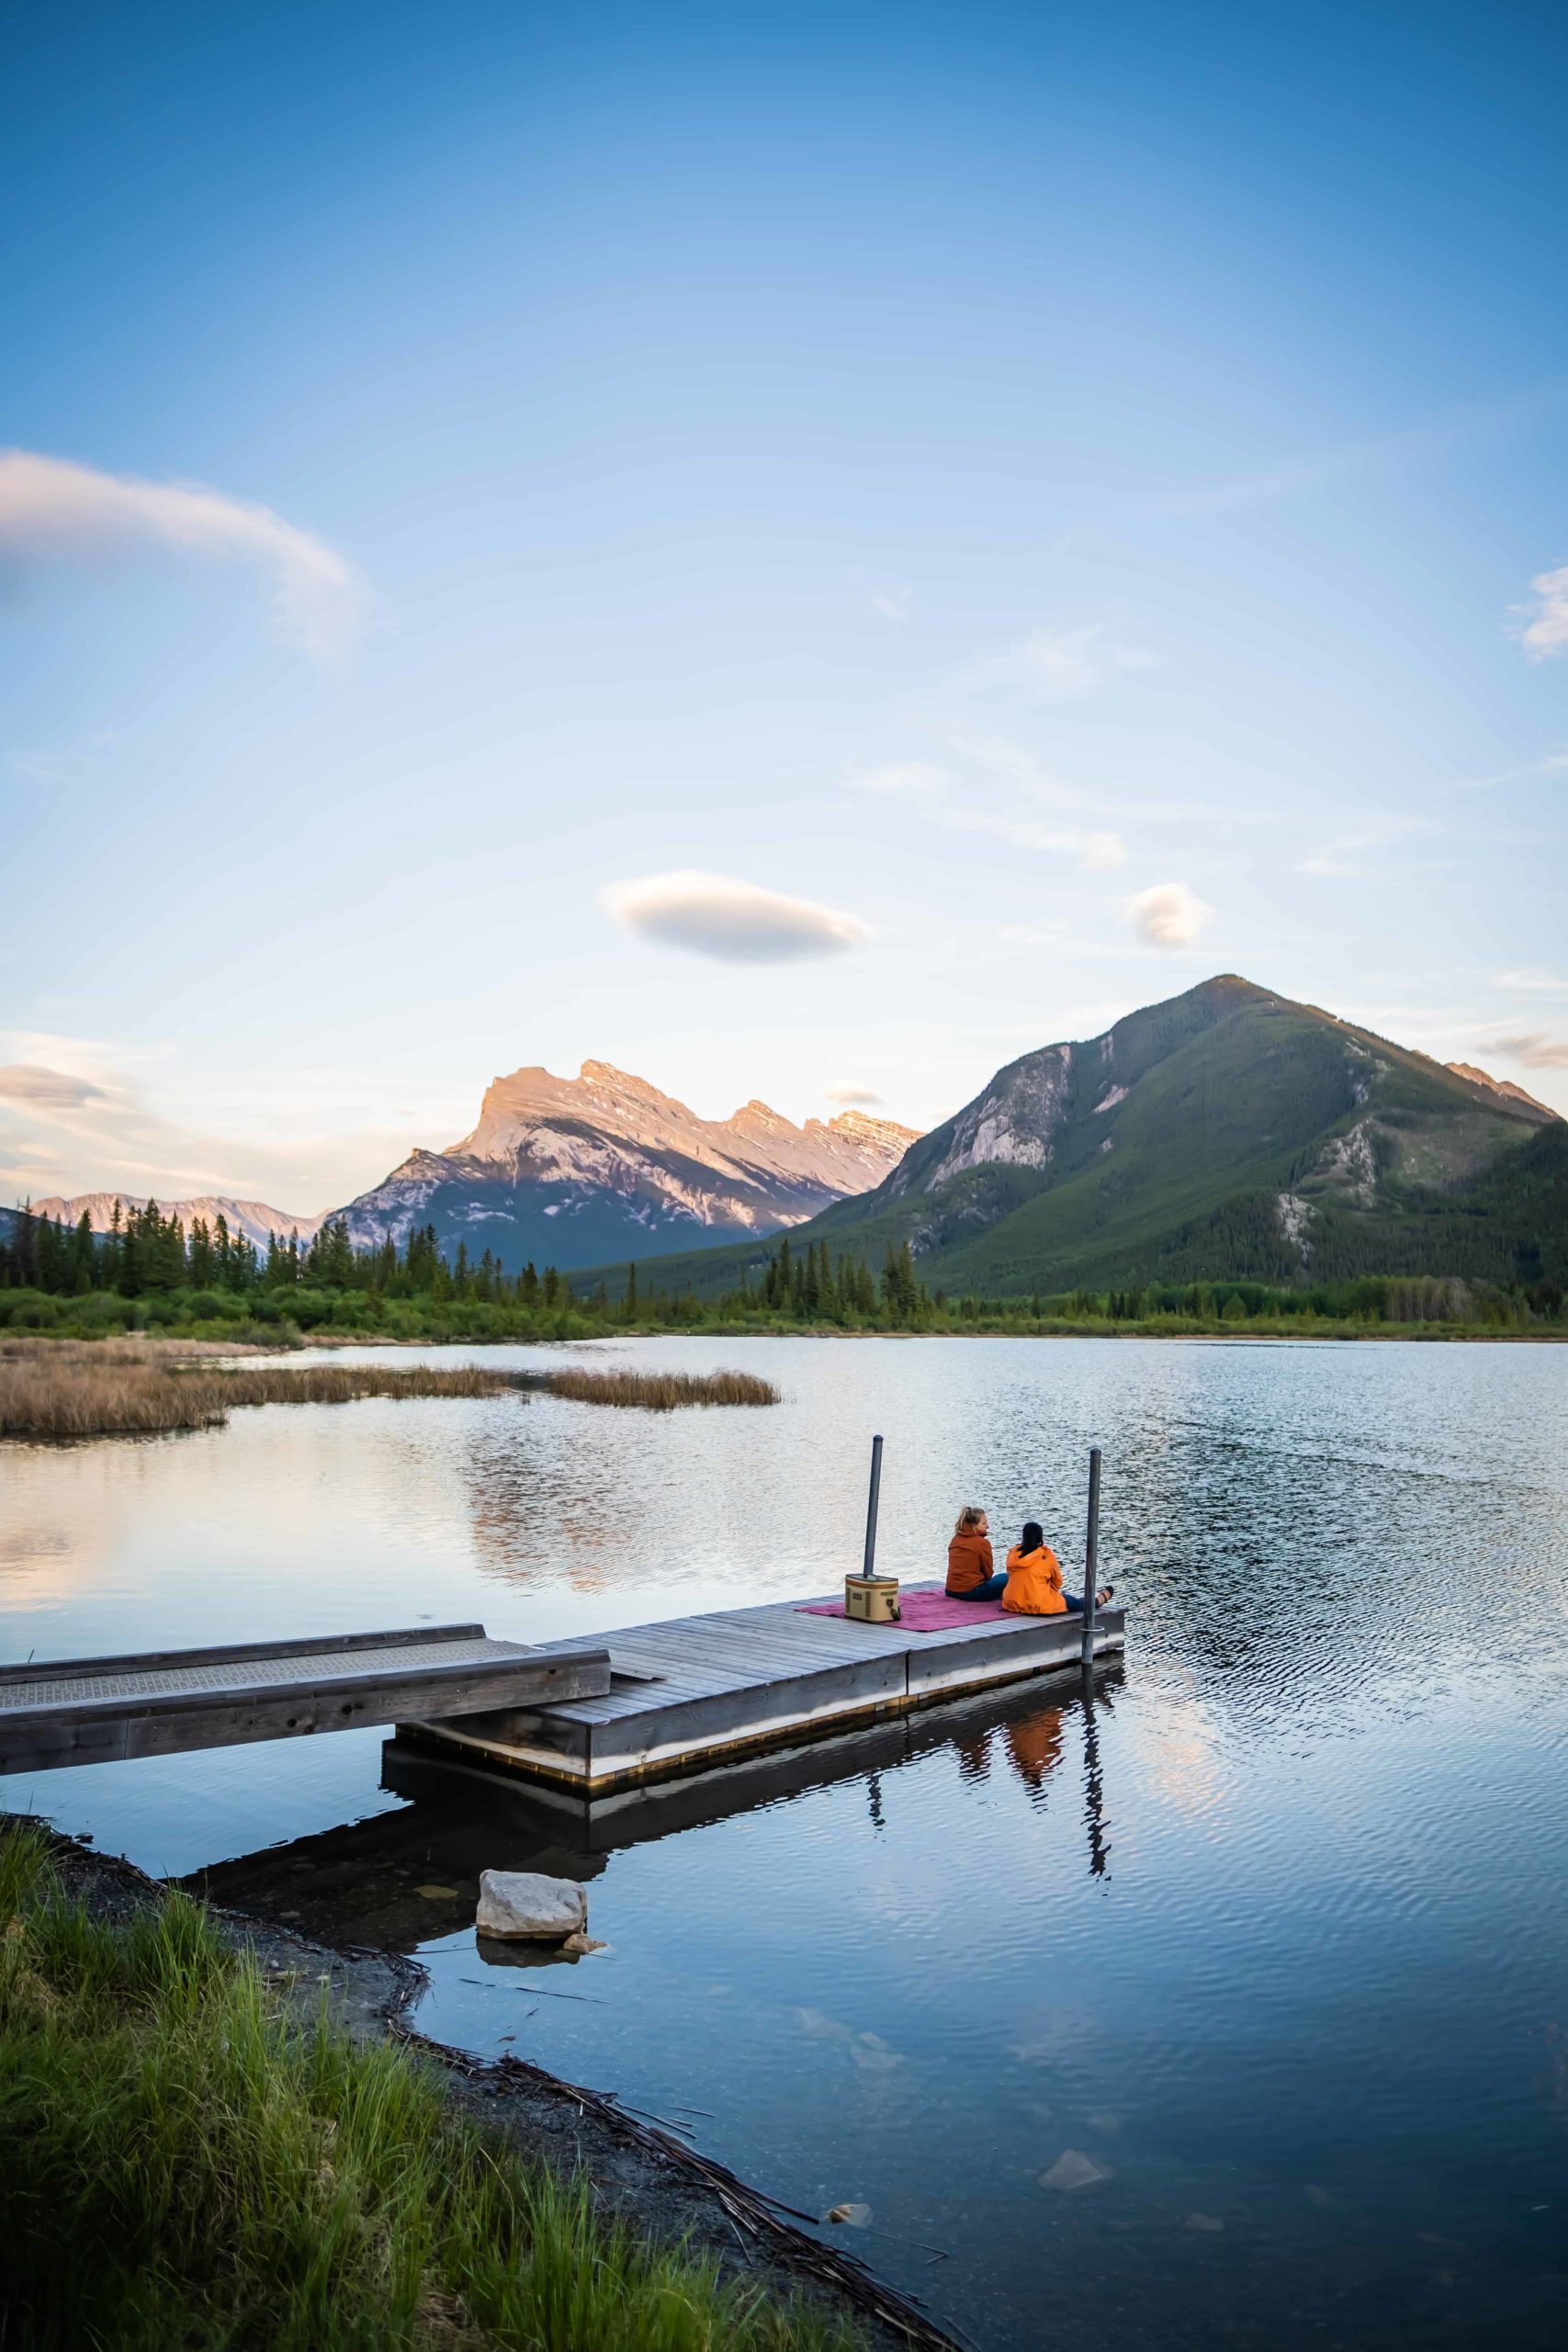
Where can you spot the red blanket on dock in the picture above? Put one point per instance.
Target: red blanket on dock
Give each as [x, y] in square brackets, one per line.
[928, 1608]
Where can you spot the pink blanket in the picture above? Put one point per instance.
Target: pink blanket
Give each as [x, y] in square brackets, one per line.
[927, 1610]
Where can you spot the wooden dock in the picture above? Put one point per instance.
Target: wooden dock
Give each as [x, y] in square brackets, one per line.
[696, 1692]
[99, 1709]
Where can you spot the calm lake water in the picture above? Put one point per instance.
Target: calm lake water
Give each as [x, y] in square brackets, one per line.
[1274, 1935]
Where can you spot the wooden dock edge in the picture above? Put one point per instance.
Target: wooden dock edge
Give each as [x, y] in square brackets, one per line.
[548, 1766]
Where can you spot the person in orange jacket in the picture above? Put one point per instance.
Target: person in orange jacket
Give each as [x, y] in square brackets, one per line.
[1034, 1579]
[969, 1563]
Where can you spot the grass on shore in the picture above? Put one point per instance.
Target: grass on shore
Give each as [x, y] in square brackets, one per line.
[183, 2162]
[70, 1388]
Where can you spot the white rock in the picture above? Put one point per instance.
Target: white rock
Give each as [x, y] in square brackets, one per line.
[526, 1902]
[1073, 2171]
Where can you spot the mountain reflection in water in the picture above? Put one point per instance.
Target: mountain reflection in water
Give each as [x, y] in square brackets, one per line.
[1268, 1940]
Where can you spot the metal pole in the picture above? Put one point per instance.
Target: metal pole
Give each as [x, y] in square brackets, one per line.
[1091, 1555]
[870, 1567]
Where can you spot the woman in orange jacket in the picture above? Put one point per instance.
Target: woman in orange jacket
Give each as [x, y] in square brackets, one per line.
[1034, 1579]
[969, 1576]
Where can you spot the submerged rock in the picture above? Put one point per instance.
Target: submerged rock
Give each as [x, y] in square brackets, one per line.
[526, 1902]
[1073, 2171]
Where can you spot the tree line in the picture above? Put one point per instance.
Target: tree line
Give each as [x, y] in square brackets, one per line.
[148, 1270]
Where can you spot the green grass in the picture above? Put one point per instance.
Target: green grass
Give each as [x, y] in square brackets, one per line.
[185, 2164]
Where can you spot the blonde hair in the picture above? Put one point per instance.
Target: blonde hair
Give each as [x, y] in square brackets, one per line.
[969, 1519]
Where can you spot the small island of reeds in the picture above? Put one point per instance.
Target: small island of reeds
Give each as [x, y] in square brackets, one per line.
[73, 1388]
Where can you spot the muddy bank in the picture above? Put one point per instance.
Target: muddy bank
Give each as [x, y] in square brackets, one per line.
[637, 2172]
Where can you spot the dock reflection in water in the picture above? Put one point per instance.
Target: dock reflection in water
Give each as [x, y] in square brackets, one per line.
[1271, 1941]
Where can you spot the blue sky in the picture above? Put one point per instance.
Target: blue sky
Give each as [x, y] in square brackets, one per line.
[1070, 500]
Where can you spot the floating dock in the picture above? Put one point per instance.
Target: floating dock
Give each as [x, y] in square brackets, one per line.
[100, 1710]
[697, 1691]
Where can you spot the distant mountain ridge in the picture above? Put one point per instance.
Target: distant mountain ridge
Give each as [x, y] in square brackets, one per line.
[565, 1172]
[1225, 1132]
[254, 1220]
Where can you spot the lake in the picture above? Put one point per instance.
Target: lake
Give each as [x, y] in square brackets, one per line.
[1272, 1937]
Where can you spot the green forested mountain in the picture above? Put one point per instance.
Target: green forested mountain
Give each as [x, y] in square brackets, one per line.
[1227, 1133]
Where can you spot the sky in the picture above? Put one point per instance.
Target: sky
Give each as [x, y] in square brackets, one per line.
[802, 551]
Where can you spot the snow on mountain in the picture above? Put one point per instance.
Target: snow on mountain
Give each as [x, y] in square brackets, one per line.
[254, 1220]
[577, 1171]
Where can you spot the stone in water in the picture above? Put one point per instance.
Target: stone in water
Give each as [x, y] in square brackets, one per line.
[1073, 2171]
[526, 1902]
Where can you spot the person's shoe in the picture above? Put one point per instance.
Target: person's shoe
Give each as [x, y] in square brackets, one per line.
[1103, 1594]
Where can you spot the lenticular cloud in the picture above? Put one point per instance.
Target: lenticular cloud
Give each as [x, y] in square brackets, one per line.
[736, 922]
[52, 509]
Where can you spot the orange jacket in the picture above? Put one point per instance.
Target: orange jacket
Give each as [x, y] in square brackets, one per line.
[968, 1562]
[1034, 1583]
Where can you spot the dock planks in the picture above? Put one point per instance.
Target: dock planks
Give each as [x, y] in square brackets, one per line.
[95, 1711]
[692, 1692]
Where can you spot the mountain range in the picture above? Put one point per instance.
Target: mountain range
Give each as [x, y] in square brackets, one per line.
[254, 1220]
[567, 1171]
[1225, 1132]
[1229, 1132]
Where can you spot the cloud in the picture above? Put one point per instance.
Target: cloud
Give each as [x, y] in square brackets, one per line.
[1555, 763]
[1169, 915]
[735, 922]
[52, 509]
[36, 1087]
[852, 1096]
[1545, 630]
[1532, 1049]
[1533, 980]
[1008, 797]
[892, 602]
[1050, 666]
[1342, 856]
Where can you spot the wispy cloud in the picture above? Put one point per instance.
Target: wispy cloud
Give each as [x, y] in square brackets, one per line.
[75, 1116]
[1004, 803]
[1531, 1048]
[891, 600]
[34, 1086]
[1427, 437]
[51, 509]
[1553, 763]
[1168, 916]
[710, 914]
[1345, 856]
[851, 1095]
[1533, 980]
[1051, 665]
[1543, 629]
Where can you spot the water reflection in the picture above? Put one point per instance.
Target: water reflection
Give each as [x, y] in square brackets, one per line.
[1267, 1932]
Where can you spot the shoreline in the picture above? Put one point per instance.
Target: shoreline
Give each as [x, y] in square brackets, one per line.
[638, 2173]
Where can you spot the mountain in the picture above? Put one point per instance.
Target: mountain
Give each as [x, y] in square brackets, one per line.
[567, 1171]
[1228, 1132]
[1497, 1085]
[253, 1218]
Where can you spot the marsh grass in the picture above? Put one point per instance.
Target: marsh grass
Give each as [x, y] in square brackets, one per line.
[62, 1388]
[660, 1392]
[184, 2162]
[71, 1388]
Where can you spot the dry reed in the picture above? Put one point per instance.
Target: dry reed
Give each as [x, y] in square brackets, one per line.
[68, 1388]
[659, 1392]
[105, 1388]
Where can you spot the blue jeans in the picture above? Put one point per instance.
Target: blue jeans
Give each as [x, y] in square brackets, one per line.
[992, 1589]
